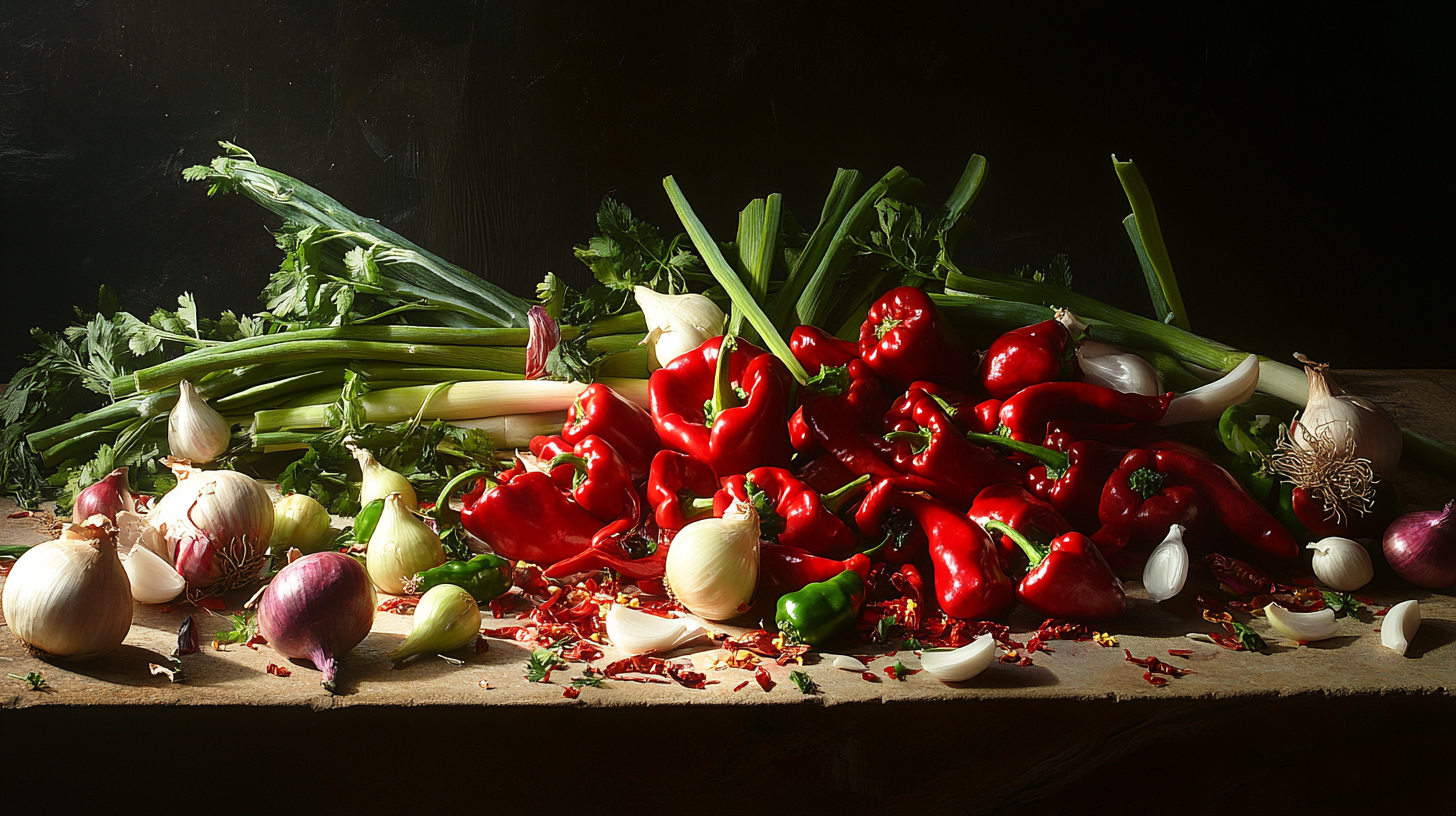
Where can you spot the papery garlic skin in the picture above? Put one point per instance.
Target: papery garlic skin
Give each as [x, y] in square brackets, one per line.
[1341, 564]
[70, 598]
[379, 481]
[1302, 627]
[1167, 568]
[1346, 420]
[195, 430]
[960, 665]
[1400, 625]
[676, 324]
[447, 618]
[1112, 367]
[400, 546]
[217, 524]
[712, 567]
[636, 632]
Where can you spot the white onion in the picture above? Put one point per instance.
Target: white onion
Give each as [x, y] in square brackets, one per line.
[70, 598]
[712, 567]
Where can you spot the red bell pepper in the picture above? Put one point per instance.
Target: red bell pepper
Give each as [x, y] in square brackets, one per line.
[791, 512]
[901, 539]
[545, 448]
[528, 519]
[816, 349]
[1235, 507]
[825, 474]
[1070, 580]
[1012, 506]
[1039, 353]
[905, 338]
[838, 415]
[600, 411]
[1139, 503]
[601, 481]
[969, 582]
[732, 414]
[782, 570]
[938, 452]
[968, 412]
[680, 489]
[1027, 413]
[1071, 481]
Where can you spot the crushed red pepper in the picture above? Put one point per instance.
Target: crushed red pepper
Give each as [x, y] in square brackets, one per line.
[278, 671]
[758, 641]
[400, 606]
[687, 677]
[255, 641]
[1180, 652]
[1157, 681]
[481, 644]
[741, 686]
[1298, 599]
[637, 665]
[764, 681]
[1238, 577]
[1156, 666]
[509, 604]
[571, 692]
[741, 659]
[870, 676]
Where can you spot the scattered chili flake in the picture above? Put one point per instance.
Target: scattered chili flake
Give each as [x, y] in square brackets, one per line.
[215, 604]
[583, 652]
[1214, 610]
[255, 641]
[1380, 613]
[870, 676]
[484, 683]
[1053, 629]
[278, 671]
[741, 686]
[400, 606]
[516, 633]
[792, 654]
[530, 579]
[1180, 652]
[637, 664]
[1104, 639]
[899, 671]
[571, 692]
[759, 641]
[741, 659]
[686, 676]
[1155, 680]
[1298, 600]
[1238, 577]
[21, 514]
[509, 604]
[1034, 644]
[481, 644]
[764, 681]
[1155, 666]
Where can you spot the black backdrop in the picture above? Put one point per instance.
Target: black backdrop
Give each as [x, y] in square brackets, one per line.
[1300, 160]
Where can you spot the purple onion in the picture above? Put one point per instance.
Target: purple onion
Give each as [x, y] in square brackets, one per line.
[318, 608]
[1421, 547]
[105, 498]
[544, 336]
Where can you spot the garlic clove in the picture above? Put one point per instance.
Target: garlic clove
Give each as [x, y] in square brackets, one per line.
[1400, 625]
[1167, 567]
[1114, 368]
[1341, 564]
[195, 430]
[959, 665]
[1302, 627]
[637, 632]
[153, 581]
[134, 531]
[1209, 401]
[848, 663]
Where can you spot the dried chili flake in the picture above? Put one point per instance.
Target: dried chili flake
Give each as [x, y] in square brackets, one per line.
[506, 633]
[255, 641]
[1227, 641]
[1238, 577]
[571, 692]
[508, 604]
[278, 671]
[741, 686]
[1380, 613]
[764, 681]
[484, 683]
[215, 604]
[638, 665]
[530, 579]
[21, 514]
[759, 641]
[1154, 679]
[188, 640]
[870, 676]
[792, 654]
[583, 652]
[1297, 600]
[899, 671]
[1155, 666]
[1104, 639]
[400, 606]
[1034, 644]
[663, 607]
[687, 677]
[481, 644]
[1180, 652]
[1214, 610]
[741, 659]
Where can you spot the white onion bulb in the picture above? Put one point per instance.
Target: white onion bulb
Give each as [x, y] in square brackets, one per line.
[70, 598]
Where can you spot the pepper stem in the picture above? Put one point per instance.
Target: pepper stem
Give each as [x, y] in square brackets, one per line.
[577, 462]
[445, 515]
[835, 501]
[1146, 482]
[919, 440]
[693, 508]
[1053, 459]
[724, 396]
[1034, 554]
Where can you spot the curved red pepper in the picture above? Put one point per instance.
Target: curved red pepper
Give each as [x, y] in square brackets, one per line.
[782, 570]
[969, 582]
[1027, 413]
[816, 349]
[1235, 507]
[738, 438]
[878, 516]
[1026, 356]
[674, 482]
[1011, 505]
[789, 511]
[1071, 481]
[1139, 504]
[968, 412]
[600, 411]
[623, 546]
[825, 474]
[837, 417]
[905, 338]
[1070, 581]
[600, 480]
[529, 519]
[938, 452]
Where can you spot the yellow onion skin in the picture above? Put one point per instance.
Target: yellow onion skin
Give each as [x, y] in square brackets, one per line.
[318, 608]
[69, 598]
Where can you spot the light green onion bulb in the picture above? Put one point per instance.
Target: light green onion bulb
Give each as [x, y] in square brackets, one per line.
[446, 619]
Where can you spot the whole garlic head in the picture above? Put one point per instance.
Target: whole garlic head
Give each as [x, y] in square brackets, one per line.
[676, 324]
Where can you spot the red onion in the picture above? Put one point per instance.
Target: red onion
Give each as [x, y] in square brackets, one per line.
[545, 335]
[1421, 547]
[318, 608]
[105, 498]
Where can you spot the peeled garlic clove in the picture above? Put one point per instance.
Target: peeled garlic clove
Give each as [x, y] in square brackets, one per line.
[1209, 401]
[1302, 627]
[637, 632]
[848, 663]
[195, 430]
[1341, 564]
[961, 664]
[1117, 369]
[1400, 626]
[1167, 567]
[153, 580]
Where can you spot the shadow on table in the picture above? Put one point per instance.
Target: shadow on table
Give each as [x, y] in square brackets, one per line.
[1001, 676]
[125, 666]
[1432, 635]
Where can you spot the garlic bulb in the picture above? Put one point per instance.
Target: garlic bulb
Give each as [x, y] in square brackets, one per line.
[300, 521]
[446, 619]
[1341, 564]
[712, 567]
[400, 546]
[636, 632]
[959, 665]
[70, 598]
[218, 523]
[1167, 567]
[1302, 627]
[1120, 370]
[195, 430]
[676, 324]
[1209, 401]
[1400, 626]
[380, 481]
[1333, 417]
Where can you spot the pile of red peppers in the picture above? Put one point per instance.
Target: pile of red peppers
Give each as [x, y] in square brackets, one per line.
[997, 479]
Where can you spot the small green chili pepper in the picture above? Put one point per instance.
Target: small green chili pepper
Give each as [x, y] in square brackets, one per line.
[486, 577]
[365, 522]
[821, 611]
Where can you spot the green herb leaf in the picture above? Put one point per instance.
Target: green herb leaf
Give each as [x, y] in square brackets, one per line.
[805, 683]
[241, 631]
[590, 678]
[1343, 603]
[541, 664]
[884, 628]
[1248, 637]
[911, 644]
[34, 681]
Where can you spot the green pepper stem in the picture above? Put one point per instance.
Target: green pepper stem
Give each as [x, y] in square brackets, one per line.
[1053, 459]
[919, 440]
[1034, 554]
[724, 397]
[693, 508]
[577, 462]
[836, 500]
[445, 515]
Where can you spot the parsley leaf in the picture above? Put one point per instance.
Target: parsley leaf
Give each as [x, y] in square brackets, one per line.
[1248, 637]
[34, 681]
[805, 683]
[1343, 603]
[884, 628]
[241, 631]
[541, 664]
[629, 252]
[590, 678]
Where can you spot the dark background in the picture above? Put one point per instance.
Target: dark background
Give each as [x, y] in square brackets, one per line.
[1300, 160]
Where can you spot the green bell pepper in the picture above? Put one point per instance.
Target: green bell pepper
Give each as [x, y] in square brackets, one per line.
[486, 577]
[821, 611]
